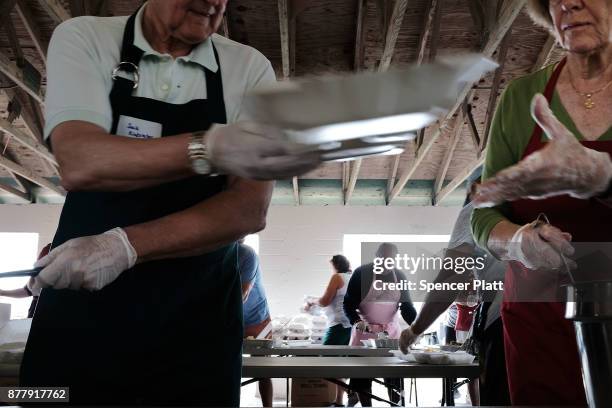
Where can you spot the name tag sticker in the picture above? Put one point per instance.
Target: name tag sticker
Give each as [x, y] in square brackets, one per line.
[138, 128]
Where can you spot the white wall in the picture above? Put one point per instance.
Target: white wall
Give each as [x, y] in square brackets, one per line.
[296, 246]
[40, 218]
[298, 243]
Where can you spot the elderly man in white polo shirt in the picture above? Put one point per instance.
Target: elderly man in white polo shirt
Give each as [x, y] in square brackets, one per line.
[141, 300]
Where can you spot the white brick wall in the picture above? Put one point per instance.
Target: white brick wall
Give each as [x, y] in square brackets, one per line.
[296, 246]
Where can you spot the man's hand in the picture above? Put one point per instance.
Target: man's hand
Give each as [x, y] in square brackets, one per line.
[540, 246]
[254, 151]
[85, 263]
[564, 166]
[407, 338]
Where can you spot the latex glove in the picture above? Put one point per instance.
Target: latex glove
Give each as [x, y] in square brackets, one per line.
[540, 246]
[361, 326]
[407, 338]
[563, 166]
[90, 262]
[251, 150]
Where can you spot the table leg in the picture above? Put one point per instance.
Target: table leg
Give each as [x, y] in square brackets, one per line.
[448, 394]
[287, 393]
[402, 393]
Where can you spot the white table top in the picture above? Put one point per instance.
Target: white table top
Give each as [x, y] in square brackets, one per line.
[350, 367]
[317, 350]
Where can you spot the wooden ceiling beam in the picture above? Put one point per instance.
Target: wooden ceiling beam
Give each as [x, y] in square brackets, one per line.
[23, 196]
[6, 6]
[31, 27]
[30, 175]
[507, 16]
[55, 10]
[394, 161]
[430, 13]
[296, 190]
[545, 53]
[27, 141]
[497, 77]
[287, 35]
[354, 174]
[360, 35]
[467, 113]
[11, 70]
[393, 27]
[460, 178]
[448, 157]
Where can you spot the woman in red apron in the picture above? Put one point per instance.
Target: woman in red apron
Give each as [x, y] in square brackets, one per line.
[541, 351]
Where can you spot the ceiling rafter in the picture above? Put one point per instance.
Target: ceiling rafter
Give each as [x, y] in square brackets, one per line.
[23, 196]
[27, 141]
[360, 35]
[455, 136]
[460, 178]
[41, 45]
[546, 53]
[55, 10]
[354, 167]
[296, 190]
[497, 77]
[507, 16]
[11, 70]
[393, 26]
[30, 175]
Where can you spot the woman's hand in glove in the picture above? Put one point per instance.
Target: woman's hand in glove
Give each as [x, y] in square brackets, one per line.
[540, 246]
[563, 166]
[361, 326]
[90, 262]
[407, 338]
[254, 151]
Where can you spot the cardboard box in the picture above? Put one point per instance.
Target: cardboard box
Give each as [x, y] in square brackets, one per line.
[310, 392]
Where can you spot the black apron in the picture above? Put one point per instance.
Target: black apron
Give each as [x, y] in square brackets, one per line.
[165, 332]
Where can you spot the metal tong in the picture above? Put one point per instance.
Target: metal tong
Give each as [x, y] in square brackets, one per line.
[18, 274]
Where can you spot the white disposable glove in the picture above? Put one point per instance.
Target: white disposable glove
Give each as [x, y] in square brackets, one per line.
[255, 151]
[361, 326]
[563, 166]
[407, 338]
[90, 262]
[540, 246]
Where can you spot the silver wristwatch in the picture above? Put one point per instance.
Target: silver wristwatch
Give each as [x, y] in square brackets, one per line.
[200, 155]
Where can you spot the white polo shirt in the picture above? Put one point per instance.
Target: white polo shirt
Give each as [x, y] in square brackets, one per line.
[84, 51]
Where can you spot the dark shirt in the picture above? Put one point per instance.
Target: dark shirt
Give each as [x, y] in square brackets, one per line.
[359, 284]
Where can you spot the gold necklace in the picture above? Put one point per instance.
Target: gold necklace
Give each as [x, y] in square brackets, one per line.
[588, 102]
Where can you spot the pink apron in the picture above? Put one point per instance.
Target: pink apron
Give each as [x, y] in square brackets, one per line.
[379, 310]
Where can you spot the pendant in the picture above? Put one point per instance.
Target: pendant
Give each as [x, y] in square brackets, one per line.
[589, 104]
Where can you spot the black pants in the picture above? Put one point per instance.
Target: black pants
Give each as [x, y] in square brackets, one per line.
[450, 334]
[365, 385]
[493, 377]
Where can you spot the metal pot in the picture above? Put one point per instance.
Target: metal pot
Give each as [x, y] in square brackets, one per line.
[589, 305]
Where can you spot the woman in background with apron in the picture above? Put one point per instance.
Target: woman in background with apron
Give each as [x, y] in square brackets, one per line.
[372, 312]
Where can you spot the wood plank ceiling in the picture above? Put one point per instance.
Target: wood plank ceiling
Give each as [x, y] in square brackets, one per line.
[301, 37]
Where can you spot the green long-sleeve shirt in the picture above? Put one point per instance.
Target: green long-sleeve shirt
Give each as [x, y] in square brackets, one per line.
[510, 133]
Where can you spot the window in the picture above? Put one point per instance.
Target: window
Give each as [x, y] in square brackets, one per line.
[352, 242]
[253, 242]
[17, 251]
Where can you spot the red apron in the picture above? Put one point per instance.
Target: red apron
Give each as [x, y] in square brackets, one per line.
[541, 352]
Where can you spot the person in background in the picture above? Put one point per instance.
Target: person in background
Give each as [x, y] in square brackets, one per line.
[256, 313]
[371, 311]
[338, 326]
[563, 158]
[487, 326]
[25, 291]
